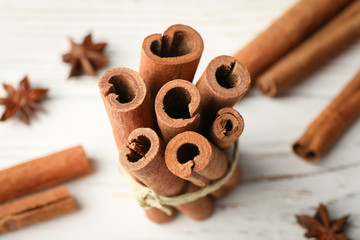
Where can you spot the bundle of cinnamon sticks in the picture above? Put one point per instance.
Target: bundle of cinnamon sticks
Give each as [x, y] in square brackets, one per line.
[173, 136]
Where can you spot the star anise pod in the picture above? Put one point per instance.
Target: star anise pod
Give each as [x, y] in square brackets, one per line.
[321, 228]
[23, 101]
[86, 57]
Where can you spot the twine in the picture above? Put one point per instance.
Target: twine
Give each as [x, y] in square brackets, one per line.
[148, 198]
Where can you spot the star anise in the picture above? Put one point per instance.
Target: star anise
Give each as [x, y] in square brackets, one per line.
[23, 101]
[86, 57]
[320, 227]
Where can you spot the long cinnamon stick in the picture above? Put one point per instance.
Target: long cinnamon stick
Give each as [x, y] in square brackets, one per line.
[43, 172]
[191, 156]
[173, 55]
[35, 208]
[177, 107]
[286, 32]
[331, 123]
[222, 84]
[126, 101]
[314, 52]
[143, 157]
[226, 129]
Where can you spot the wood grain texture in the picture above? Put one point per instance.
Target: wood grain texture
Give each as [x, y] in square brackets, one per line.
[277, 184]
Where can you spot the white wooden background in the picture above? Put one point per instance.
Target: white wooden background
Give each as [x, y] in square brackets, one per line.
[277, 184]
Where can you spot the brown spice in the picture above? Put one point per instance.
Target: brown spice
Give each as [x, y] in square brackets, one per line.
[227, 128]
[286, 32]
[126, 101]
[143, 157]
[222, 84]
[177, 107]
[320, 226]
[331, 123]
[86, 57]
[199, 209]
[35, 208]
[43, 172]
[22, 101]
[314, 52]
[191, 156]
[173, 55]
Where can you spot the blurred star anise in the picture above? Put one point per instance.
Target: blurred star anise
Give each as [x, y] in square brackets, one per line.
[86, 57]
[321, 228]
[23, 101]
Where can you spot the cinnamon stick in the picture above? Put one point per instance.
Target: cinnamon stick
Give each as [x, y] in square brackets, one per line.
[331, 123]
[227, 128]
[35, 208]
[43, 172]
[199, 209]
[222, 84]
[314, 52]
[143, 157]
[126, 101]
[191, 156]
[286, 32]
[177, 107]
[173, 55]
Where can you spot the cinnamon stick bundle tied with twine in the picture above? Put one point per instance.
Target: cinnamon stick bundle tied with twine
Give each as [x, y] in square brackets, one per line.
[340, 32]
[286, 32]
[331, 123]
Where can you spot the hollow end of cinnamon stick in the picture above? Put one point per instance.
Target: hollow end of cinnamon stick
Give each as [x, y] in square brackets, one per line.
[179, 44]
[43, 172]
[173, 55]
[177, 108]
[191, 156]
[143, 157]
[123, 88]
[305, 153]
[223, 83]
[267, 86]
[126, 101]
[35, 208]
[227, 128]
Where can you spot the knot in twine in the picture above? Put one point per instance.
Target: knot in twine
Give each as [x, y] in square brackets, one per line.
[148, 198]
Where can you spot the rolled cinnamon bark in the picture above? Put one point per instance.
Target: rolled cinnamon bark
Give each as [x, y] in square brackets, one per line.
[173, 55]
[199, 209]
[286, 32]
[126, 101]
[177, 107]
[222, 84]
[35, 208]
[158, 216]
[314, 52]
[233, 181]
[227, 128]
[331, 123]
[191, 156]
[43, 172]
[143, 157]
